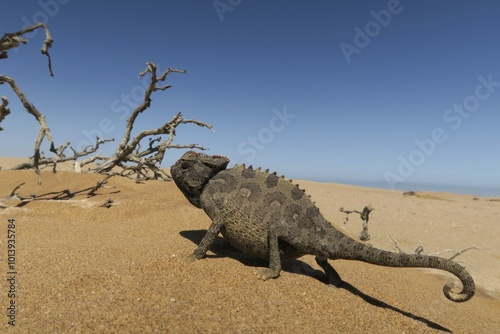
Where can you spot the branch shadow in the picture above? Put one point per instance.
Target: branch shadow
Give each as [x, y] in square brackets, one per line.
[222, 248]
[61, 195]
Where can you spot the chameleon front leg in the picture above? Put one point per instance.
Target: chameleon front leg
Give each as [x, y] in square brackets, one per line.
[201, 251]
[274, 259]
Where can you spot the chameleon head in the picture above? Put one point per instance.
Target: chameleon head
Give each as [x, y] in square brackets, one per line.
[193, 171]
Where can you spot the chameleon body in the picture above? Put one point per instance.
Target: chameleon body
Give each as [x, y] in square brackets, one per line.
[267, 216]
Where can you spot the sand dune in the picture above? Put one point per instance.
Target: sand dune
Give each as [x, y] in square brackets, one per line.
[85, 268]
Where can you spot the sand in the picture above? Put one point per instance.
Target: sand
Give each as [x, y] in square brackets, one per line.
[83, 268]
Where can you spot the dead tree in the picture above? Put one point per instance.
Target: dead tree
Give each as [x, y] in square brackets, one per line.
[8, 42]
[38, 159]
[13, 40]
[44, 129]
[130, 157]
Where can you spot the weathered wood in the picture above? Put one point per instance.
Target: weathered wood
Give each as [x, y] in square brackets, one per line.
[144, 164]
[135, 162]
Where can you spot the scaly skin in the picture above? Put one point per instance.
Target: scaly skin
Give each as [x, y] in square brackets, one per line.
[268, 217]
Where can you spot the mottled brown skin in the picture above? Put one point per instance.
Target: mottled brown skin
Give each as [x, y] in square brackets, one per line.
[268, 217]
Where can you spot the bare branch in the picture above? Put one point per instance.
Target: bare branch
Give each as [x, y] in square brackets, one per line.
[80, 164]
[365, 217]
[44, 129]
[12, 40]
[8, 42]
[152, 87]
[100, 184]
[61, 157]
[129, 156]
[420, 249]
[4, 111]
[107, 204]
[144, 164]
[396, 244]
[463, 251]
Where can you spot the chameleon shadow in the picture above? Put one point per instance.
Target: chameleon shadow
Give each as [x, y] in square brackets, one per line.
[221, 249]
[378, 303]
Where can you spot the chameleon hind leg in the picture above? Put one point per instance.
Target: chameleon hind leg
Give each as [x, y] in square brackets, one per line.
[332, 277]
[274, 268]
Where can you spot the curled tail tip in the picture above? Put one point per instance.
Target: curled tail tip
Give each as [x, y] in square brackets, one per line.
[462, 296]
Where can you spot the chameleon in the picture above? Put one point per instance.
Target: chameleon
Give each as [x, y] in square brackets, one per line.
[267, 216]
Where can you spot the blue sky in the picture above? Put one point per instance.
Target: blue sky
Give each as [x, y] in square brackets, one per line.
[392, 91]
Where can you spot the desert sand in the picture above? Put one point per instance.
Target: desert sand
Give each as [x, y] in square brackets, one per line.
[83, 268]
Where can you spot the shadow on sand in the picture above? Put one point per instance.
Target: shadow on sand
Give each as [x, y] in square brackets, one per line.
[221, 248]
[61, 195]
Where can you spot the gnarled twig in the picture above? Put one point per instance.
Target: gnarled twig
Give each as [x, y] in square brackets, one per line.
[144, 164]
[12, 40]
